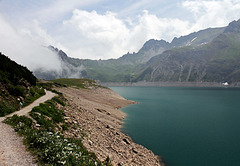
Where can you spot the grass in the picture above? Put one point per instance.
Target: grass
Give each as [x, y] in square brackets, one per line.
[9, 102]
[35, 93]
[58, 101]
[47, 141]
[80, 83]
[49, 86]
[6, 108]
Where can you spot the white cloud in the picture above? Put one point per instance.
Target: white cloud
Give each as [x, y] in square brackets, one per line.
[103, 36]
[150, 26]
[95, 36]
[26, 51]
[92, 35]
[39, 35]
[212, 13]
[60, 8]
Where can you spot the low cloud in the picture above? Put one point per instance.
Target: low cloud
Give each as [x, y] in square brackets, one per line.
[26, 51]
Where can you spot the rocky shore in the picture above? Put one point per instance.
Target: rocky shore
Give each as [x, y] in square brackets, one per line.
[95, 116]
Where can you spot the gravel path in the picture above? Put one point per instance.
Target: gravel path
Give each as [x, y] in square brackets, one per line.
[12, 150]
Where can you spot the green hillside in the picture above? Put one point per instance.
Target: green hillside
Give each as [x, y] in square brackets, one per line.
[80, 83]
[17, 84]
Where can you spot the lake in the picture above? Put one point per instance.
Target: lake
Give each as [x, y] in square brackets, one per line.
[186, 126]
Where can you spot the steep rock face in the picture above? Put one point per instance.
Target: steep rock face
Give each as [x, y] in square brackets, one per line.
[217, 61]
[155, 47]
[197, 38]
[233, 27]
[171, 66]
[150, 49]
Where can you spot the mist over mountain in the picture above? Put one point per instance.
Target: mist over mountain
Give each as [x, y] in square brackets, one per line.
[67, 70]
[208, 55]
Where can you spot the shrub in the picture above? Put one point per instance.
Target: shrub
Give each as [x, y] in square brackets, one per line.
[56, 150]
[5, 109]
[58, 101]
[48, 109]
[16, 90]
[49, 146]
[21, 124]
[35, 93]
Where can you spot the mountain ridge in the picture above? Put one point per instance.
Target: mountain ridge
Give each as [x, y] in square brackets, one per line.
[215, 61]
[188, 58]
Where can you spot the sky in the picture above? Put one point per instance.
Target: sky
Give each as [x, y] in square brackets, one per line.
[101, 29]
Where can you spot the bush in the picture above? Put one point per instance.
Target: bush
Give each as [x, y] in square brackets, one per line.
[59, 101]
[6, 109]
[43, 121]
[48, 109]
[35, 93]
[16, 90]
[21, 124]
[56, 150]
[49, 146]
[54, 91]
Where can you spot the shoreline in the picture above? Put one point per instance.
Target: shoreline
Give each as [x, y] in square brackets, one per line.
[170, 84]
[96, 117]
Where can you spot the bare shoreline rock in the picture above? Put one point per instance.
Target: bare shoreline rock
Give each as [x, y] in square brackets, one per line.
[96, 113]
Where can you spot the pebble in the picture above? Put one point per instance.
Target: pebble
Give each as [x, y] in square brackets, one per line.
[12, 150]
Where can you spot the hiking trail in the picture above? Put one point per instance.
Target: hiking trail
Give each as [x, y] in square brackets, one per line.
[12, 150]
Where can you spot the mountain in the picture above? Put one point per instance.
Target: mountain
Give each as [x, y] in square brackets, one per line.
[149, 50]
[216, 61]
[17, 83]
[13, 73]
[68, 70]
[155, 47]
[207, 55]
[197, 38]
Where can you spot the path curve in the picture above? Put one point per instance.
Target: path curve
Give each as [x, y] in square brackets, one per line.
[12, 150]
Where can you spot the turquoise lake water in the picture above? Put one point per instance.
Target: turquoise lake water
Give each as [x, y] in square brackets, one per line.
[186, 126]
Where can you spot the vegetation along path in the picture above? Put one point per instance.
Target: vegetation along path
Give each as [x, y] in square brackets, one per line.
[12, 150]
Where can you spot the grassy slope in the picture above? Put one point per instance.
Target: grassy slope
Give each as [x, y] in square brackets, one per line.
[80, 83]
[16, 82]
[105, 70]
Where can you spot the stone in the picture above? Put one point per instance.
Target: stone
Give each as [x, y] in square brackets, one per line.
[126, 141]
[38, 125]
